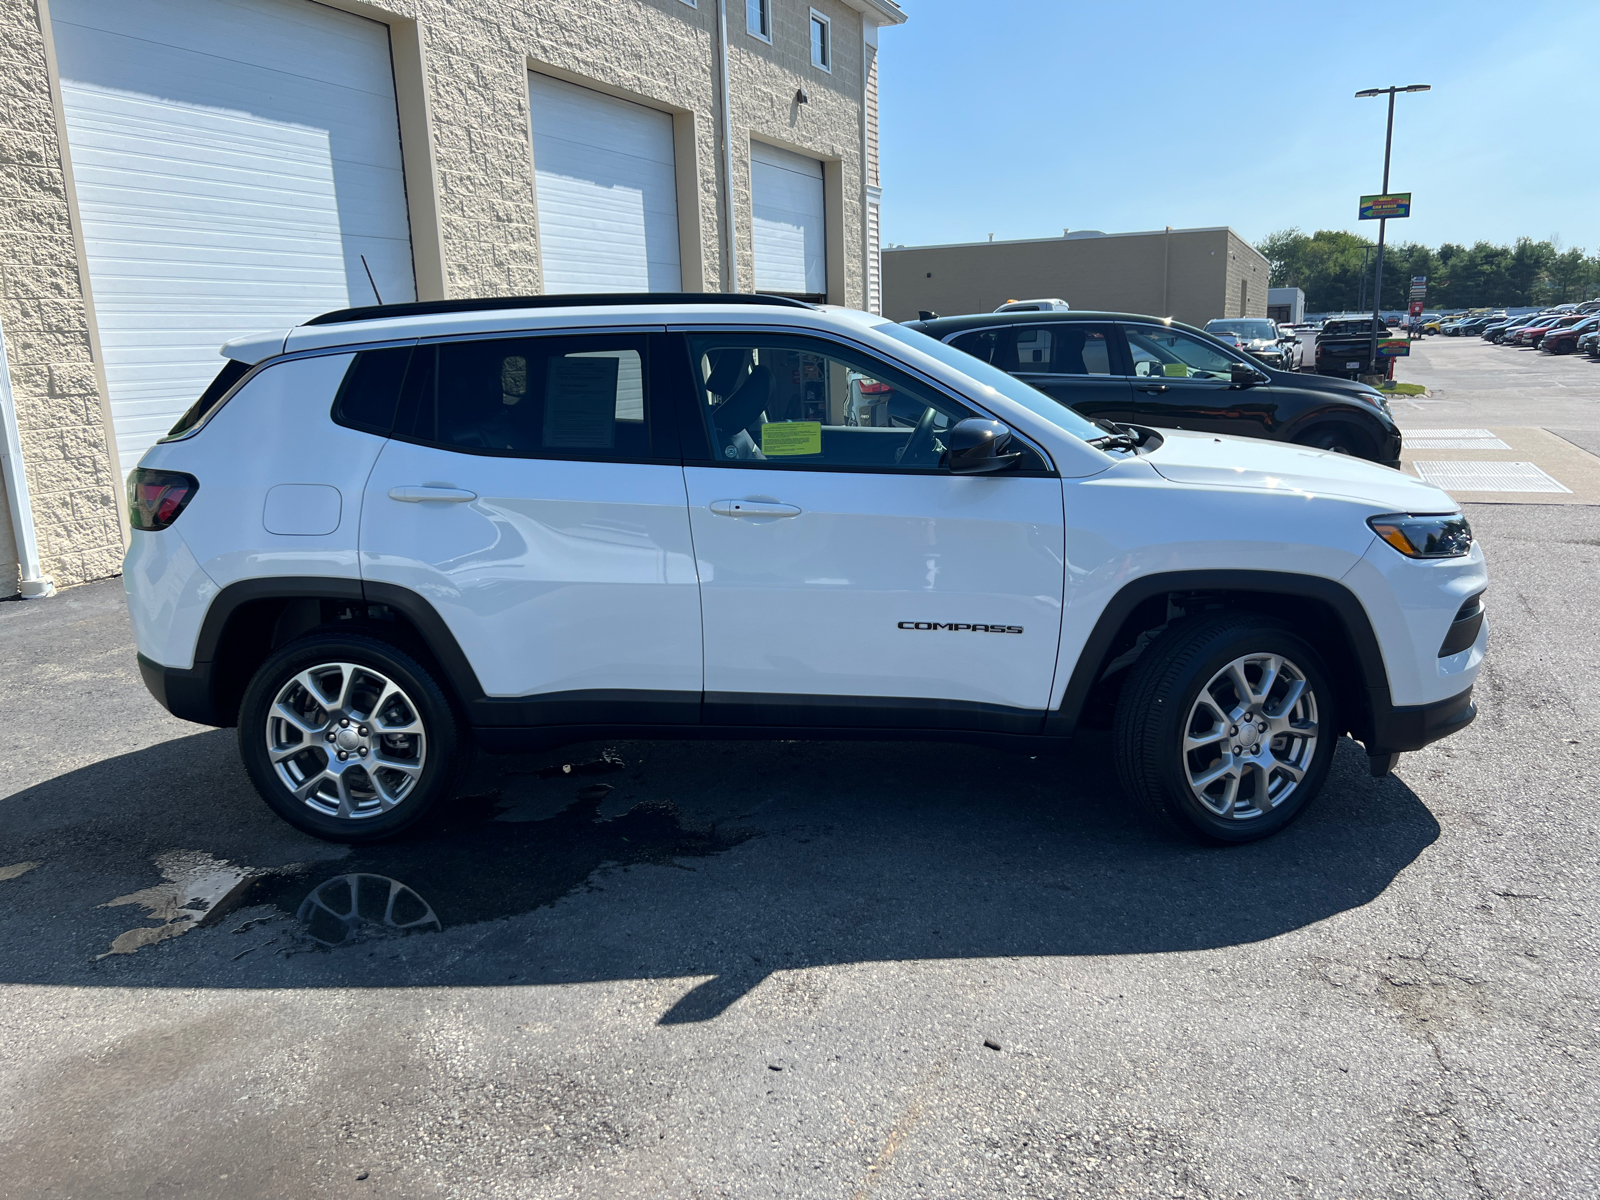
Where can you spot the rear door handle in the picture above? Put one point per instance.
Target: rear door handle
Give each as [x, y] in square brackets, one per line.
[752, 508]
[416, 495]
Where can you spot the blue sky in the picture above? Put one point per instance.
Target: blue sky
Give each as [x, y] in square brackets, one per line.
[1023, 117]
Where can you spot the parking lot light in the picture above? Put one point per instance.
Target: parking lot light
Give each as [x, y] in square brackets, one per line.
[1383, 223]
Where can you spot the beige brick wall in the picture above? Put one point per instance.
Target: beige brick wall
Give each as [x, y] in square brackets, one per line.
[475, 60]
[46, 323]
[1248, 270]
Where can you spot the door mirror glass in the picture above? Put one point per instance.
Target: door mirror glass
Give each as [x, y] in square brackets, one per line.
[978, 446]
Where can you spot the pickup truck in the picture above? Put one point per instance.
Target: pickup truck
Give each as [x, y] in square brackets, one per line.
[1344, 347]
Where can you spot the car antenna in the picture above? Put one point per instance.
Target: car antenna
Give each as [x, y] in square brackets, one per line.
[370, 280]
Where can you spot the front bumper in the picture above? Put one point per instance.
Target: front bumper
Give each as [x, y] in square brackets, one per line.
[1413, 726]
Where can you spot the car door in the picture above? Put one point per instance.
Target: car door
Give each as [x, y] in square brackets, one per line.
[1073, 362]
[1181, 381]
[846, 577]
[532, 493]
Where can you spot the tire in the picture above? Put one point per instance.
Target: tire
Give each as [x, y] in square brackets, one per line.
[1162, 708]
[333, 693]
[1339, 439]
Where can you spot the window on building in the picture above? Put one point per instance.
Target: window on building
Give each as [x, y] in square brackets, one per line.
[821, 42]
[758, 18]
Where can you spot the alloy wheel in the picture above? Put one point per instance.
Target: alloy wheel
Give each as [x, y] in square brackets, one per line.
[346, 740]
[1250, 737]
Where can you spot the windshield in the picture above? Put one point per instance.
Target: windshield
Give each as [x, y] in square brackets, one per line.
[993, 379]
[1254, 330]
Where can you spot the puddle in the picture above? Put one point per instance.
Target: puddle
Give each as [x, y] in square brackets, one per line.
[477, 867]
[196, 889]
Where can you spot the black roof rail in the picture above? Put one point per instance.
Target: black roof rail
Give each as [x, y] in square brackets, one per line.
[428, 308]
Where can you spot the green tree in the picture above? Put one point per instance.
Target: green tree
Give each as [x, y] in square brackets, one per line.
[1571, 277]
[1530, 262]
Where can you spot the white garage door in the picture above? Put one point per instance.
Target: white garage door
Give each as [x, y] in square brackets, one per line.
[234, 160]
[607, 191]
[787, 222]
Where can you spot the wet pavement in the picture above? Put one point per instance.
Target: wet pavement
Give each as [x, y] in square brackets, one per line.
[800, 969]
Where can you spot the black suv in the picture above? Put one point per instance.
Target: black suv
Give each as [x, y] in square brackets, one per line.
[1123, 368]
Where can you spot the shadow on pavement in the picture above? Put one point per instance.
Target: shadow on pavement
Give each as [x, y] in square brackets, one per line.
[665, 861]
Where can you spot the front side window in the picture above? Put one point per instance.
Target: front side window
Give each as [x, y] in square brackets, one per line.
[1057, 348]
[821, 47]
[539, 397]
[786, 401]
[758, 18]
[1173, 354]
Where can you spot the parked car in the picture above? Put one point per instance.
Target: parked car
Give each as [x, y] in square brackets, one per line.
[1474, 325]
[1119, 367]
[1563, 338]
[1532, 335]
[1055, 305]
[1589, 344]
[1496, 331]
[1261, 338]
[1344, 347]
[392, 534]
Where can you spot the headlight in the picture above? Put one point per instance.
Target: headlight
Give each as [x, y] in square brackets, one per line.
[1444, 535]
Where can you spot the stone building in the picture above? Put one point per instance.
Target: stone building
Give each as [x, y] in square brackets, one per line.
[1191, 274]
[179, 172]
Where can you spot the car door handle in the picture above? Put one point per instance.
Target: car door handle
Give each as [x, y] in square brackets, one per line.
[416, 495]
[752, 508]
[1151, 387]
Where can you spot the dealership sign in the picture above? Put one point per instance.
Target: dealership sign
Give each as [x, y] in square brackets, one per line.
[1374, 208]
[1394, 348]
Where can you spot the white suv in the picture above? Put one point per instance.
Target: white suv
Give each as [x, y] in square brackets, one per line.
[390, 535]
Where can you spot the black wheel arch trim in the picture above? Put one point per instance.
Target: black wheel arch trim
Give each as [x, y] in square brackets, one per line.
[1352, 615]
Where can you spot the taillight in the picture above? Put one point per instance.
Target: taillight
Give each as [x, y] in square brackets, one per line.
[875, 389]
[156, 498]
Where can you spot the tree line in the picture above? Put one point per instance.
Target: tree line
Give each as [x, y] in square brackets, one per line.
[1331, 265]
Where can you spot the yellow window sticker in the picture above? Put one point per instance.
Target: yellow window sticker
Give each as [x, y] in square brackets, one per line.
[1175, 370]
[791, 437]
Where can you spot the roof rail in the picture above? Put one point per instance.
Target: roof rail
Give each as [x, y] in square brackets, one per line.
[427, 308]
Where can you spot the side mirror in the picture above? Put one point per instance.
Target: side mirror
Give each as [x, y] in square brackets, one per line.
[1244, 375]
[978, 447]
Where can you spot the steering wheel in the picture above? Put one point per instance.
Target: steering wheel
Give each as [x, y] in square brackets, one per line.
[918, 450]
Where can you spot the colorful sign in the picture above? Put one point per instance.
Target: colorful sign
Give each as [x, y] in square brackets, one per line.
[1394, 348]
[1416, 308]
[1374, 208]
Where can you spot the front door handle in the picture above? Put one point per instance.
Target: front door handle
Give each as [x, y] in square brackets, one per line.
[416, 495]
[752, 508]
[1151, 387]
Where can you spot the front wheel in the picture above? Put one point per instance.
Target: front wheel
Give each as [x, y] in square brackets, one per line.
[1226, 728]
[349, 738]
[1339, 439]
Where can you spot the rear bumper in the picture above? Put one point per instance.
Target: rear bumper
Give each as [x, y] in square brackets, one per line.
[186, 694]
[1411, 727]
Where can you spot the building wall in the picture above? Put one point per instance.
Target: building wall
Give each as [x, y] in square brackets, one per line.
[1190, 274]
[461, 83]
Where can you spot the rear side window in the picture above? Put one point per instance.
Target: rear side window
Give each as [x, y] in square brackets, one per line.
[1059, 348]
[544, 397]
[230, 374]
[371, 390]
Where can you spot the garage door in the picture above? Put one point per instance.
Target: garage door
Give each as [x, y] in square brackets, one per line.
[607, 191]
[234, 160]
[786, 191]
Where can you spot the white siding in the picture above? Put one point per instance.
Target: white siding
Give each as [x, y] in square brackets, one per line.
[874, 263]
[607, 191]
[234, 160]
[787, 221]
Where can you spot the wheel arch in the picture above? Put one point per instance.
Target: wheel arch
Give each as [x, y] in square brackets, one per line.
[1324, 612]
[250, 619]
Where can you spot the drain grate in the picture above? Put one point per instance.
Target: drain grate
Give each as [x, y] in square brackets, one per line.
[1488, 477]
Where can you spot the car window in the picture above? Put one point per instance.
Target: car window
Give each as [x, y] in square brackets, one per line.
[539, 397]
[1057, 348]
[786, 401]
[371, 389]
[1173, 354]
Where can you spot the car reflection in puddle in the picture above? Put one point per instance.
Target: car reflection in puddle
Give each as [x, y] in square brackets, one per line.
[487, 859]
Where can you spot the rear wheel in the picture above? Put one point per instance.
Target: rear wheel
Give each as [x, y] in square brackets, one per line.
[1225, 728]
[349, 738]
[1339, 439]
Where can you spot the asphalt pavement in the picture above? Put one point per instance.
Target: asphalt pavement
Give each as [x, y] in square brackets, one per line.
[816, 970]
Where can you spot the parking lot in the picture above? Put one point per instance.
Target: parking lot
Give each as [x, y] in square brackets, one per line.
[797, 969]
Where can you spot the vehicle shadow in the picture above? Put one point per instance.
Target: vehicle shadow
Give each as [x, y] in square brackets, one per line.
[719, 862]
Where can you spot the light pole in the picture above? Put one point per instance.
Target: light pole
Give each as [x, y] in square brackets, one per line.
[1383, 222]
